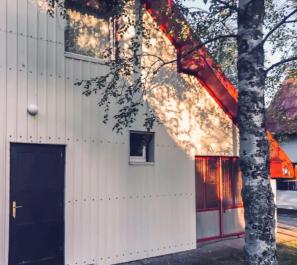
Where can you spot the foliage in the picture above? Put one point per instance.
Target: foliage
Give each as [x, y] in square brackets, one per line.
[124, 83]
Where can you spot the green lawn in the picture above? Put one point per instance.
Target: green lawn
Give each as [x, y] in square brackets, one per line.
[288, 253]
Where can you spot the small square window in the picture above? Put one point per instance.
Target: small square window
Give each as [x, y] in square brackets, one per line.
[87, 31]
[141, 147]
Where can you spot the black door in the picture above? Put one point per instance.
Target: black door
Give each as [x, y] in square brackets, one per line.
[36, 232]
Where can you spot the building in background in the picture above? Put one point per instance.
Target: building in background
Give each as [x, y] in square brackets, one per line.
[282, 121]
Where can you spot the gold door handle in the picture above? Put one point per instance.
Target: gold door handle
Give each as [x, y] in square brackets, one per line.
[14, 208]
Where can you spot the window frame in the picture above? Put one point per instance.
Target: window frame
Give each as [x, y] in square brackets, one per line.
[142, 160]
[111, 37]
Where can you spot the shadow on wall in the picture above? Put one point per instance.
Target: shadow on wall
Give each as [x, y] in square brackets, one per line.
[189, 114]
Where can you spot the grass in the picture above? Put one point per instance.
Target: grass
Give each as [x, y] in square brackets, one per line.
[287, 252]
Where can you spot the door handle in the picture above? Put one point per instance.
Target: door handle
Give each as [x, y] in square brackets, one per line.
[14, 209]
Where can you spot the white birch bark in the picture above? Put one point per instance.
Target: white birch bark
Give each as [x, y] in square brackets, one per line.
[260, 247]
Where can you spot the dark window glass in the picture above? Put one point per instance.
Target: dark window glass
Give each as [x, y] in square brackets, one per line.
[142, 145]
[286, 185]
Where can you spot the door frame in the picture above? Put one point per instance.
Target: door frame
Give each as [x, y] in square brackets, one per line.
[220, 200]
[7, 196]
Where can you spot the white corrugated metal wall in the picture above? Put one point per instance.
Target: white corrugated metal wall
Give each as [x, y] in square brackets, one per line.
[114, 212]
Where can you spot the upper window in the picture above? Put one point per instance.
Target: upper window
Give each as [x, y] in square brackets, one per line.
[88, 27]
[141, 147]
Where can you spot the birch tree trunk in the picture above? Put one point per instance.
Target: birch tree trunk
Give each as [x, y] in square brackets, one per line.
[260, 247]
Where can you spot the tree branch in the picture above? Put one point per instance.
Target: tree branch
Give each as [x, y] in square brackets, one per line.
[201, 45]
[293, 58]
[164, 63]
[282, 22]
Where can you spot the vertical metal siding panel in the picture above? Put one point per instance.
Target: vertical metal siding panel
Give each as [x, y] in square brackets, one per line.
[3, 71]
[42, 77]
[3, 15]
[69, 103]
[51, 79]
[78, 178]
[92, 173]
[86, 234]
[32, 67]
[22, 71]
[12, 16]
[11, 68]
[11, 85]
[22, 75]
[109, 222]
[60, 84]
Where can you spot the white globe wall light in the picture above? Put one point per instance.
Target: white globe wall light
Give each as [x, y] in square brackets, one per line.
[32, 109]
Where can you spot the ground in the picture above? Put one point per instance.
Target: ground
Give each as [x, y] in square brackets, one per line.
[229, 252]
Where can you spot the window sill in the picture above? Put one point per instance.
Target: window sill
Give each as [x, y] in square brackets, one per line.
[85, 58]
[138, 163]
